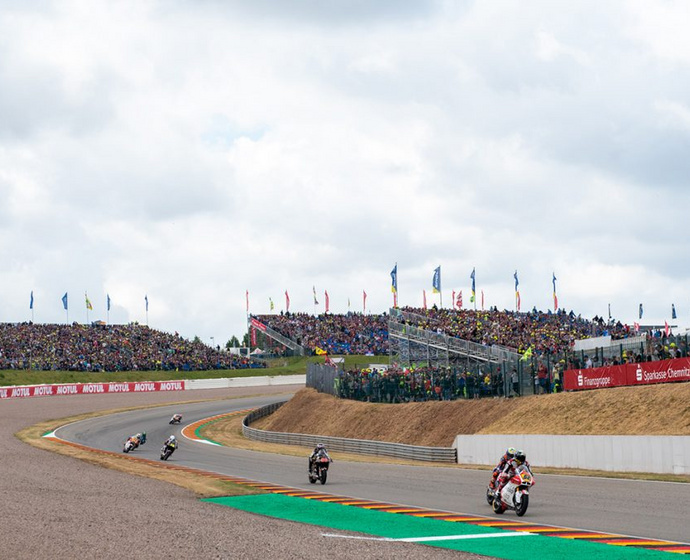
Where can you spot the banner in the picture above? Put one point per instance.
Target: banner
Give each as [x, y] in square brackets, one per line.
[90, 388]
[645, 373]
[258, 325]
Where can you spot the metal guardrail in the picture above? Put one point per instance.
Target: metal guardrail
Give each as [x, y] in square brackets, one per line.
[362, 446]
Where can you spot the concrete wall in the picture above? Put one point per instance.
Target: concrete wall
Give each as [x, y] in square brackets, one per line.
[224, 383]
[657, 454]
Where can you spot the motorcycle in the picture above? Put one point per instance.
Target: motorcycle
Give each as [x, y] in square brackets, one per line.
[515, 494]
[319, 470]
[130, 445]
[176, 419]
[168, 450]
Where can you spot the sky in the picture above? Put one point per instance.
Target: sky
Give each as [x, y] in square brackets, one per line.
[191, 151]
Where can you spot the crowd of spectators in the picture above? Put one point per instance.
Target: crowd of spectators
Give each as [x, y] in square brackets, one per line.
[353, 333]
[107, 348]
[423, 383]
[356, 333]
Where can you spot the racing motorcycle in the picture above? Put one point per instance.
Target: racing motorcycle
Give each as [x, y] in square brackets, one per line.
[168, 450]
[319, 470]
[515, 493]
[130, 445]
[176, 419]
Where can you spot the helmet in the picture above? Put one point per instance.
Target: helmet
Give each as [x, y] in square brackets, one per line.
[510, 452]
[138, 435]
[520, 457]
[143, 434]
[320, 446]
[172, 438]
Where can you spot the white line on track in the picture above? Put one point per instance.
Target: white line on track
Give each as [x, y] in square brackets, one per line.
[430, 538]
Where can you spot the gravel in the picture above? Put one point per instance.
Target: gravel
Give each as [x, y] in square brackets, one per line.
[57, 507]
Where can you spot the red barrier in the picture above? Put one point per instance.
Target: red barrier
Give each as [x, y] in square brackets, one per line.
[90, 388]
[663, 371]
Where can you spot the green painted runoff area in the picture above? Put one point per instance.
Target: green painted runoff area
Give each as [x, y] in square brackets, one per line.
[398, 526]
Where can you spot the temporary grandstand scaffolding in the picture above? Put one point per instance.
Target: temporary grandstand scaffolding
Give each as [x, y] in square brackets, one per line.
[410, 345]
[297, 349]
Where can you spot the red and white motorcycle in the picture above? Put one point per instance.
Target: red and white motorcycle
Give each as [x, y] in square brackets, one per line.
[515, 493]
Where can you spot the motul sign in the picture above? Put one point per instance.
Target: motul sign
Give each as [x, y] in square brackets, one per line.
[89, 389]
[663, 371]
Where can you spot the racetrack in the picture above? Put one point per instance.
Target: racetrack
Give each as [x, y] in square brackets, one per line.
[652, 510]
[58, 507]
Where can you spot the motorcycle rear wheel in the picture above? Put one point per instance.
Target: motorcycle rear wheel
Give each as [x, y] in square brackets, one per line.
[521, 508]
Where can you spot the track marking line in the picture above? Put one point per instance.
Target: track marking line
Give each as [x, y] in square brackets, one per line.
[429, 538]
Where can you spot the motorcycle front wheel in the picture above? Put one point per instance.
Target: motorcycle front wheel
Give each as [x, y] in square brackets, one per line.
[521, 508]
[323, 475]
[489, 496]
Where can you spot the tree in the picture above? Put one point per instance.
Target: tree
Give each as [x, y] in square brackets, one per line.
[232, 343]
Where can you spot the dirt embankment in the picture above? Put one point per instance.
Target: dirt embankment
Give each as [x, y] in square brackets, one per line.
[651, 410]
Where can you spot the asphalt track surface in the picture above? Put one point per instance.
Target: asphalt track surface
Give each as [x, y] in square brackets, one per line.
[654, 510]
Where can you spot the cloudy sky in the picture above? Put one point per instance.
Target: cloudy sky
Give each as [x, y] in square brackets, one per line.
[193, 150]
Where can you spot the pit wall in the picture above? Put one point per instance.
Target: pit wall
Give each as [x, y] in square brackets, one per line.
[651, 454]
[62, 389]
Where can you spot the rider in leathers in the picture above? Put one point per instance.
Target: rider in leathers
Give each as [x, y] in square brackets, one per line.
[507, 456]
[510, 468]
[320, 449]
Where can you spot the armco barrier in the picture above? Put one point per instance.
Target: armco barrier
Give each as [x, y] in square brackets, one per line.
[661, 454]
[366, 447]
[62, 389]
[644, 373]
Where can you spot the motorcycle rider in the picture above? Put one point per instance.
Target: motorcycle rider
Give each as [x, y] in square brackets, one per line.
[176, 418]
[142, 438]
[135, 439]
[319, 450]
[509, 470]
[171, 441]
[507, 456]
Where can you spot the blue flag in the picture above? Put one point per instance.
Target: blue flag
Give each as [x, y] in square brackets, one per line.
[472, 297]
[516, 281]
[641, 311]
[436, 281]
[394, 278]
[146, 299]
[31, 301]
[64, 301]
[107, 297]
[673, 311]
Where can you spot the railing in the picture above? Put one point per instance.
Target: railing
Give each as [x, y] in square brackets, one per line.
[361, 446]
[285, 341]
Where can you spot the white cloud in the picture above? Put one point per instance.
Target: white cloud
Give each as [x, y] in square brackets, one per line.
[191, 151]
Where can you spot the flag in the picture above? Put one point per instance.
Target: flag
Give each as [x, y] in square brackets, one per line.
[609, 311]
[452, 299]
[31, 301]
[482, 300]
[364, 301]
[394, 279]
[527, 355]
[320, 351]
[87, 302]
[517, 291]
[667, 329]
[327, 300]
[146, 299]
[287, 301]
[436, 281]
[673, 309]
[472, 298]
[64, 301]
[459, 300]
[348, 304]
[641, 311]
[270, 300]
[636, 326]
[247, 298]
[107, 299]
[316, 301]
[555, 297]
[424, 296]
